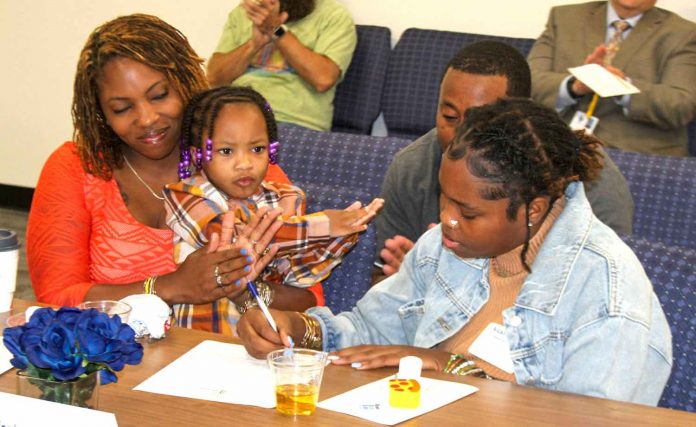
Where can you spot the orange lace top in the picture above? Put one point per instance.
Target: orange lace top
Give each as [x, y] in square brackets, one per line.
[80, 233]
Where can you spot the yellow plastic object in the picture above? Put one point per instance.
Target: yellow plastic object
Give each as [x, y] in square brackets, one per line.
[404, 394]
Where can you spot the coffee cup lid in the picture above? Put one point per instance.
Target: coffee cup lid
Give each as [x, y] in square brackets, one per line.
[8, 240]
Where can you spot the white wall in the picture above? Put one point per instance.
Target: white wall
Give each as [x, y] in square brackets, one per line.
[40, 41]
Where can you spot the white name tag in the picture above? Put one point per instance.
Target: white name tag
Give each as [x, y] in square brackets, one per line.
[580, 121]
[492, 346]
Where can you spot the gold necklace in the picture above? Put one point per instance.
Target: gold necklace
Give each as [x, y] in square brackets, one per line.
[142, 180]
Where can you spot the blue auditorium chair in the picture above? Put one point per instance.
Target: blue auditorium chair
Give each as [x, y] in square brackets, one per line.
[358, 97]
[416, 66]
[336, 158]
[672, 271]
[664, 193]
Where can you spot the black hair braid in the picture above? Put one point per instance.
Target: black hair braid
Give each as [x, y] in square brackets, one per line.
[202, 112]
[524, 150]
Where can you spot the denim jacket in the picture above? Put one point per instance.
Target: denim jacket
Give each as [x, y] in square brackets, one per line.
[585, 321]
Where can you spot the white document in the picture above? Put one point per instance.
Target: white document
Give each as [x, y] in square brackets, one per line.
[216, 371]
[5, 357]
[21, 411]
[371, 401]
[602, 81]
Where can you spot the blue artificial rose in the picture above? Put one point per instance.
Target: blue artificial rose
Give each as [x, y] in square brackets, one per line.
[68, 316]
[106, 340]
[12, 338]
[57, 352]
[41, 318]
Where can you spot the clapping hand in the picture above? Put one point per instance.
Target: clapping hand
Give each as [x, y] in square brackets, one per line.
[353, 219]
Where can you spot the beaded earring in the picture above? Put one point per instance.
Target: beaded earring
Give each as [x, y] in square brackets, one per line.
[208, 150]
[199, 158]
[184, 161]
[273, 152]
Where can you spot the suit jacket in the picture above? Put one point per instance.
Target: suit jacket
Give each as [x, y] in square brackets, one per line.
[659, 56]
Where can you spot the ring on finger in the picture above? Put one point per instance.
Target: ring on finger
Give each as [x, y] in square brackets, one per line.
[218, 277]
[265, 252]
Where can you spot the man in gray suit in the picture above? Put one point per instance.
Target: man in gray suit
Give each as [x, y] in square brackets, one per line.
[657, 55]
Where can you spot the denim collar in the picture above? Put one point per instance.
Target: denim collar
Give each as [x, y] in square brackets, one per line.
[543, 288]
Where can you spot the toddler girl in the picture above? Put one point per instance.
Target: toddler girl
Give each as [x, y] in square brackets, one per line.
[229, 136]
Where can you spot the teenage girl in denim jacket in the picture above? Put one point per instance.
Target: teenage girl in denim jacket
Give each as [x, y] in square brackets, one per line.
[520, 281]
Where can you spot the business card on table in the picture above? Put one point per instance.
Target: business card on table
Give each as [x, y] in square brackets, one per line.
[371, 401]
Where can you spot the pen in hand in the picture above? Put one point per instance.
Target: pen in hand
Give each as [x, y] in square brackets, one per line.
[262, 305]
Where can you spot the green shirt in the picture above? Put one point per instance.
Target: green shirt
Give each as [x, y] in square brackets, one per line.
[328, 30]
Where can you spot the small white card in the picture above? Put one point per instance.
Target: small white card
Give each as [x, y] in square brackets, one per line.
[492, 346]
[603, 82]
[582, 122]
[5, 357]
[21, 411]
[371, 401]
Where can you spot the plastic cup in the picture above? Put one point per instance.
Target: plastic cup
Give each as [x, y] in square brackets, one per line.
[112, 308]
[297, 375]
[9, 259]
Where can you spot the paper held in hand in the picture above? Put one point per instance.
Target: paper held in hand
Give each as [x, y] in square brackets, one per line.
[602, 81]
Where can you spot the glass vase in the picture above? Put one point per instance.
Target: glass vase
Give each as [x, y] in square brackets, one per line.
[82, 392]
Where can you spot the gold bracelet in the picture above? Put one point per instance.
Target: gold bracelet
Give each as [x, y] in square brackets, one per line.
[312, 338]
[460, 365]
[266, 293]
[149, 285]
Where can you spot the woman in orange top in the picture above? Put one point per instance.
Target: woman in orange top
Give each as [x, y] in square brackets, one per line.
[97, 225]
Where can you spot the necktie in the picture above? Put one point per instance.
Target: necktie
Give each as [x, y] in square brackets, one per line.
[613, 46]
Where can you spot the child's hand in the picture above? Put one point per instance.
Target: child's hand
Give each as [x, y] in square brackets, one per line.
[353, 219]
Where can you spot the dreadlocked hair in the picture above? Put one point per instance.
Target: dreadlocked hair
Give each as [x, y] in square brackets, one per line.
[203, 109]
[143, 38]
[524, 150]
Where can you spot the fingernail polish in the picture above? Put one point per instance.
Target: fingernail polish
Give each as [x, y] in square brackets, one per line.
[246, 268]
[355, 365]
[237, 283]
[333, 357]
[244, 251]
[249, 259]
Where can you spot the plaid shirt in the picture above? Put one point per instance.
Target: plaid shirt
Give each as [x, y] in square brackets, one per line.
[306, 251]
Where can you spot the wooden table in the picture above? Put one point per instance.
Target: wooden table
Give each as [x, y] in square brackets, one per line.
[496, 403]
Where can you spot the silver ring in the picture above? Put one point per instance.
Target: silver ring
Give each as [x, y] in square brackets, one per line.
[218, 277]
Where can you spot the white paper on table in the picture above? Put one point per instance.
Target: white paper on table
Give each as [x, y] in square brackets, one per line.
[602, 81]
[363, 401]
[22, 411]
[216, 371]
[5, 357]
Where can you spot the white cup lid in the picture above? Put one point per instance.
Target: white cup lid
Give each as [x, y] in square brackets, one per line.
[410, 367]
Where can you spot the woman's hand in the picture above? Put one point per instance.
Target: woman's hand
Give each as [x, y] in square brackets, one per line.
[259, 338]
[378, 356]
[195, 281]
[353, 219]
